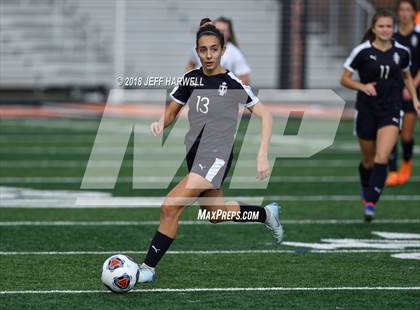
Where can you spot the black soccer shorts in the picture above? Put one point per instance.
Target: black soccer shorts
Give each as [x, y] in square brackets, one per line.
[369, 120]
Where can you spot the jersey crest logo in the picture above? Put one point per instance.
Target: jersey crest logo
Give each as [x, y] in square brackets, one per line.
[414, 40]
[372, 57]
[396, 58]
[222, 89]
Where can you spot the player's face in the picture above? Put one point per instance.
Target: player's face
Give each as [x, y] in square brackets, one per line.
[209, 51]
[383, 28]
[224, 28]
[405, 13]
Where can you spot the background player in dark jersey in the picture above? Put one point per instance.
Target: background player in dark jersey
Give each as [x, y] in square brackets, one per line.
[213, 114]
[381, 63]
[407, 35]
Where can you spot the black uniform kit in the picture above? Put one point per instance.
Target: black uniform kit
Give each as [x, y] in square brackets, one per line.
[412, 42]
[385, 69]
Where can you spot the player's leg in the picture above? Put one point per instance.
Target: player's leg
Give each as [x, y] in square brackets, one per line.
[393, 179]
[386, 138]
[182, 195]
[216, 174]
[407, 141]
[269, 215]
[367, 149]
[393, 176]
[213, 201]
[365, 129]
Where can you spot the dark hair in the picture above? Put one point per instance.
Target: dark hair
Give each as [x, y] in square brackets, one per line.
[410, 2]
[369, 34]
[228, 21]
[205, 21]
[207, 28]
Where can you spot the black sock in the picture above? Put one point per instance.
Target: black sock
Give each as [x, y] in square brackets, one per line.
[364, 177]
[392, 162]
[262, 215]
[376, 183]
[407, 149]
[157, 249]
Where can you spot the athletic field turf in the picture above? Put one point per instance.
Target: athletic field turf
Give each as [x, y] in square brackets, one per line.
[330, 259]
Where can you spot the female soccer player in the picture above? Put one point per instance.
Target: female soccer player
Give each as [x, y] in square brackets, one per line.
[381, 63]
[409, 36]
[212, 115]
[233, 59]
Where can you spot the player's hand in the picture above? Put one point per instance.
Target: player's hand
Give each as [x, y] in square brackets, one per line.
[263, 168]
[417, 105]
[405, 94]
[156, 128]
[369, 89]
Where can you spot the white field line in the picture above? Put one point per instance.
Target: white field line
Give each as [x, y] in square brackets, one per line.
[160, 180]
[220, 289]
[337, 148]
[24, 126]
[315, 163]
[154, 223]
[344, 147]
[48, 140]
[26, 195]
[83, 150]
[155, 202]
[215, 252]
[113, 141]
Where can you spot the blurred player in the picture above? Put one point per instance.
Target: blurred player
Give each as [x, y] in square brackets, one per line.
[381, 63]
[407, 35]
[233, 59]
[212, 115]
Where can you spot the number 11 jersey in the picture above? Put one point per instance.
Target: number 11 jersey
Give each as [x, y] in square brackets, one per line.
[384, 68]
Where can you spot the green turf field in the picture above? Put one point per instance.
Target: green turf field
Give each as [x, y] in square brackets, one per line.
[52, 255]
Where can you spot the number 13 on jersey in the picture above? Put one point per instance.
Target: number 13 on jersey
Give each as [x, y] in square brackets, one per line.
[202, 104]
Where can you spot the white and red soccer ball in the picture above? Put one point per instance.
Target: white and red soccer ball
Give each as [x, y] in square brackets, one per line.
[120, 273]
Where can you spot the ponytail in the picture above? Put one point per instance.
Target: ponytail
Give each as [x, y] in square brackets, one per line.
[369, 35]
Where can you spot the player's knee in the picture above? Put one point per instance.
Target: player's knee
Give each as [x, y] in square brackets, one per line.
[406, 135]
[169, 212]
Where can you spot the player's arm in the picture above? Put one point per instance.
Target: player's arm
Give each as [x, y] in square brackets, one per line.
[416, 79]
[347, 81]
[171, 112]
[263, 168]
[408, 81]
[244, 79]
[416, 83]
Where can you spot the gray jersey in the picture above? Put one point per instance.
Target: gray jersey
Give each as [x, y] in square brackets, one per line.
[213, 109]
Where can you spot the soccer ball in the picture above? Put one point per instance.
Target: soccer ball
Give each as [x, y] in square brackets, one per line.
[120, 273]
